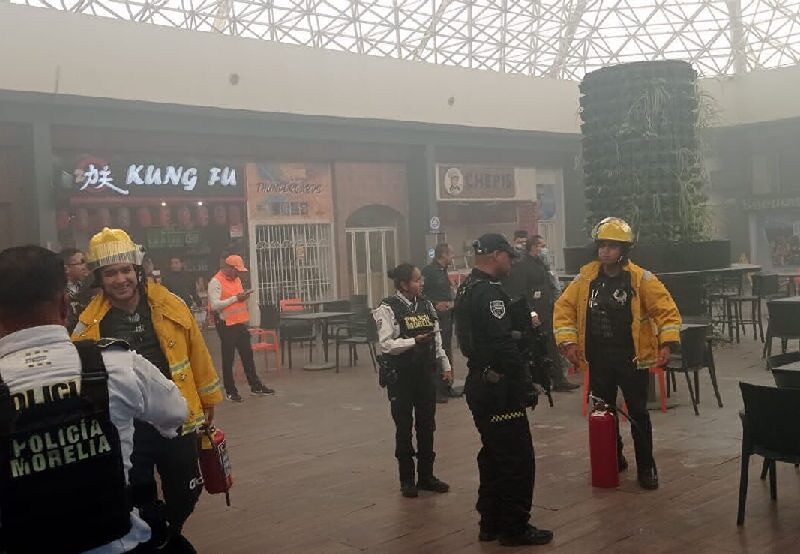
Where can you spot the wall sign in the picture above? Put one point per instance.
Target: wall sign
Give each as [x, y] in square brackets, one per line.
[770, 203]
[473, 182]
[145, 176]
[289, 193]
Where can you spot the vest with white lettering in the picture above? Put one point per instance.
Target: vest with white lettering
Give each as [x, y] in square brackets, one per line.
[62, 478]
[415, 319]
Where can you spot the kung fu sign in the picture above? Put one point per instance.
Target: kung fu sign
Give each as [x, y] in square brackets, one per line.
[116, 176]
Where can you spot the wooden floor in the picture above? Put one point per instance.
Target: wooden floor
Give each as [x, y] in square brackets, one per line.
[315, 472]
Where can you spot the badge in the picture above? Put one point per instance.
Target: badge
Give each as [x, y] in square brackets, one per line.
[498, 308]
[620, 296]
[537, 295]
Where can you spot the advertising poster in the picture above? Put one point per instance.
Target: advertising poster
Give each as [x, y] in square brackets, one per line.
[280, 193]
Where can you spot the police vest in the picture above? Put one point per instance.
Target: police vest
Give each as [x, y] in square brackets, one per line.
[414, 320]
[62, 479]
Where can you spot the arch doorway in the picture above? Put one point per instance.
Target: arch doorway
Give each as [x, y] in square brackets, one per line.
[371, 234]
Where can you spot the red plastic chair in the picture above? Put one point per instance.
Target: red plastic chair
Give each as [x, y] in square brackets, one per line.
[291, 305]
[267, 342]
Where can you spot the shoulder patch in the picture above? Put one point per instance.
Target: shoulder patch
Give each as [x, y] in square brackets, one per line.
[497, 308]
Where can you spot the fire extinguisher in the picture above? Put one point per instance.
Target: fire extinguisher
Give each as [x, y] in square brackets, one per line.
[603, 445]
[215, 465]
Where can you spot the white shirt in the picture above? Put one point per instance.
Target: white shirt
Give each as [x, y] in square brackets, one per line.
[136, 390]
[389, 333]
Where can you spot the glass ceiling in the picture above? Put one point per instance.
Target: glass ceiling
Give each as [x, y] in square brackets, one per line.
[554, 38]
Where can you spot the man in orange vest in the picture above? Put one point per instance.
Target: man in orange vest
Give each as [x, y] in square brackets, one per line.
[228, 300]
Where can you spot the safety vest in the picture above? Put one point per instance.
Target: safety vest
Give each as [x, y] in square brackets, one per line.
[413, 322]
[236, 312]
[62, 478]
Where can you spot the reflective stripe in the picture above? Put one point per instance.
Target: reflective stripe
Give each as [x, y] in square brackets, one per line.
[209, 388]
[180, 367]
[506, 417]
[562, 330]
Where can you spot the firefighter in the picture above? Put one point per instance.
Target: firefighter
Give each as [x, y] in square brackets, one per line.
[160, 327]
[498, 390]
[411, 345]
[616, 320]
[80, 401]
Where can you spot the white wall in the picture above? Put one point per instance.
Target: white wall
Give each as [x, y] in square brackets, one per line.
[51, 51]
[56, 52]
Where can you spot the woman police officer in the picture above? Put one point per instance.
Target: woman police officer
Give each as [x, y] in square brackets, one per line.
[411, 345]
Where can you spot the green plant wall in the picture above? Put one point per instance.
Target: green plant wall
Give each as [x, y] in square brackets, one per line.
[641, 155]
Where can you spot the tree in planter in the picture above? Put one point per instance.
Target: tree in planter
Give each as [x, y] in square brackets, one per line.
[641, 155]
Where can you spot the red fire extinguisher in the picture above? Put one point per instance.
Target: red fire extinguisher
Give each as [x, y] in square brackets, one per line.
[215, 465]
[603, 445]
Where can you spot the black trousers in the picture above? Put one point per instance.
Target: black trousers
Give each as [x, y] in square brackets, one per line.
[609, 370]
[233, 338]
[506, 464]
[176, 460]
[413, 405]
[446, 328]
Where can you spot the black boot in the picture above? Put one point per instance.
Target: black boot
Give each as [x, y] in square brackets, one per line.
[622, 463]
[648, 478]
[530, 536]
[433, 484]
[407, 481]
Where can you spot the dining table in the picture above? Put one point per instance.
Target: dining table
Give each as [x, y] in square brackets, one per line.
[319, 321]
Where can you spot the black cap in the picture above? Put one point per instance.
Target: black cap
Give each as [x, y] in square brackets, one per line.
[493, 242]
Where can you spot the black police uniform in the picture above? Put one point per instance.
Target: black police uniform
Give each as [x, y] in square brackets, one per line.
[62, 479]
[438, 289]
[505, 461]
[610, 353]
[175, 458]
[412, 393]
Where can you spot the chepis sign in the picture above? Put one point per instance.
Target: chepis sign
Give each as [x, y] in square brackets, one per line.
[95, 175]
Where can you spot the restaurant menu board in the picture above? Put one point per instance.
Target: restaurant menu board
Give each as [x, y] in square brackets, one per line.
[280, 193]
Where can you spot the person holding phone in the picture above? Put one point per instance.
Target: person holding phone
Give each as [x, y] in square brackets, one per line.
[228, 300]
[411, 343]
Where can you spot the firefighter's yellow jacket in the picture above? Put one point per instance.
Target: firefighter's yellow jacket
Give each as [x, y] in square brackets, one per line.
[656, 319]
[181, 341]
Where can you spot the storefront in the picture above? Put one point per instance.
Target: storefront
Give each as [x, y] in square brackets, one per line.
[290, 214]
[476, 199]
[175, 207]
[774, 231]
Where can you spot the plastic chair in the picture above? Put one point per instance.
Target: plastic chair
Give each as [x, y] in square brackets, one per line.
[771, 429]
[783, 324]
[361, 331]
[267, 335]
[696, 354]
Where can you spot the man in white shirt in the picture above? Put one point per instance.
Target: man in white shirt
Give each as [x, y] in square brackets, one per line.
[41, 373]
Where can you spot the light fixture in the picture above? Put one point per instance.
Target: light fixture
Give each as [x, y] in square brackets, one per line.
[200, 203]
[163, 204]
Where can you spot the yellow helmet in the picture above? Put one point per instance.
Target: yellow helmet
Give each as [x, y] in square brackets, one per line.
[113, 246]
[613, 228]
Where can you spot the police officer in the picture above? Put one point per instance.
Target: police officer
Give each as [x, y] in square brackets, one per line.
[160, 327]
[411, 346]
[498, 389]
[621, 319]
[66, 419]
[439, 291]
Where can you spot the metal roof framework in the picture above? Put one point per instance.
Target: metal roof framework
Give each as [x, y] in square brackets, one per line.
[551, 38]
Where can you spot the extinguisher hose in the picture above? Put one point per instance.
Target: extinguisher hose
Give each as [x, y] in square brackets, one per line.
[613, 409]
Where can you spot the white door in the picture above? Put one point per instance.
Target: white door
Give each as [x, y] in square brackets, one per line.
[372, 252]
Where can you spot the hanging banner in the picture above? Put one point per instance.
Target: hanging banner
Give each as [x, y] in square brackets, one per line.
[279, 193]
